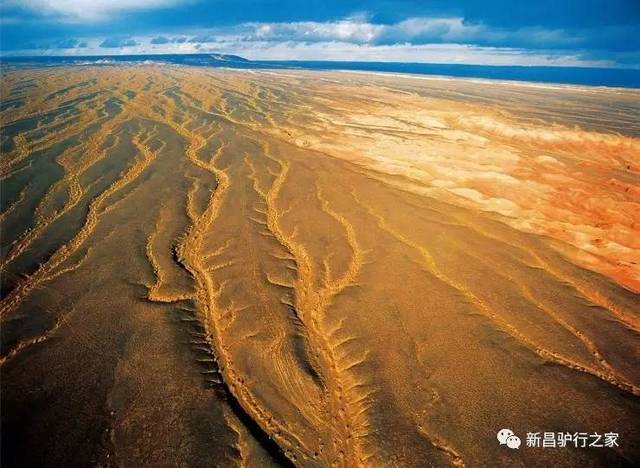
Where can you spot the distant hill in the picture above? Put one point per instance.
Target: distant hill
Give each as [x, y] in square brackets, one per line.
[210, 59]
[617, 77]
[228, 58]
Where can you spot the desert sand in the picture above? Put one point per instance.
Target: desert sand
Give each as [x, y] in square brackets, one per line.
[209, 267]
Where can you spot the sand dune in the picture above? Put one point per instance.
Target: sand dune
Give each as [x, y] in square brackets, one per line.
[252, 268]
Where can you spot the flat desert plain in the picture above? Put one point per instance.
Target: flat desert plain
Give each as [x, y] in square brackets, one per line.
[210, 267]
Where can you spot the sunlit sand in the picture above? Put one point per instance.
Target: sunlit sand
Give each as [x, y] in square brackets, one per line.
[249, 268]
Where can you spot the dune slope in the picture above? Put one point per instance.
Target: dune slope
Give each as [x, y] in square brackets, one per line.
[253, 268]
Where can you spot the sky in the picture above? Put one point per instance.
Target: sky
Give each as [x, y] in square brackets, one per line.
[600, 33]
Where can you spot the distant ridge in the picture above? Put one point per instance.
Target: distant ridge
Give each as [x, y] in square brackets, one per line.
[615, 77]
[210, 59]
[228, 58]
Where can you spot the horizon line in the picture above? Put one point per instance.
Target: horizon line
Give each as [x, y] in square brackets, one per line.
[71, 57]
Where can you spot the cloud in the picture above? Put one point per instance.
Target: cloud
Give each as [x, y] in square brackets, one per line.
[202, 39]
[348, 51]
[67, 44]
[628, 59]
[116, 42]
[416, 30]
[89, 10]
[598, 26]
[424, 53]
[368, 38]
[159, 40]
[348, 30]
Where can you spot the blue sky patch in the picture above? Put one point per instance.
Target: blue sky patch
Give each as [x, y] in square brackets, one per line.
[544, 32]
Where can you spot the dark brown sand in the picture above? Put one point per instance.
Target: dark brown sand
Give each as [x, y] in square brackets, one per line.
[248, 268]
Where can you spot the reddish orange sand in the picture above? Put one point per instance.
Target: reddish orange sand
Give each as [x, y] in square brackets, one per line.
[252, 268]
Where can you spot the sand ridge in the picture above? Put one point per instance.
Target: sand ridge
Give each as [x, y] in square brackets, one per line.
[356, 270]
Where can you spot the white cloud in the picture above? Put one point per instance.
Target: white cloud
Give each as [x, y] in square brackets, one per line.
[430, 29]
[345, 51]
[89, 10]
[425, 53]
[311, 31]
[421, 40]
[418, 30]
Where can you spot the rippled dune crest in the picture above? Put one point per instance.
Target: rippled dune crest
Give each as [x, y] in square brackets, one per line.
[249, 268]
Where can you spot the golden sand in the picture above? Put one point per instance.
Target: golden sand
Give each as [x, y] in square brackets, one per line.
[252, 268]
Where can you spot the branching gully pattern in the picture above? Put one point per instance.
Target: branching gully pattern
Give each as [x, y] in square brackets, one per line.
[208, 267]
